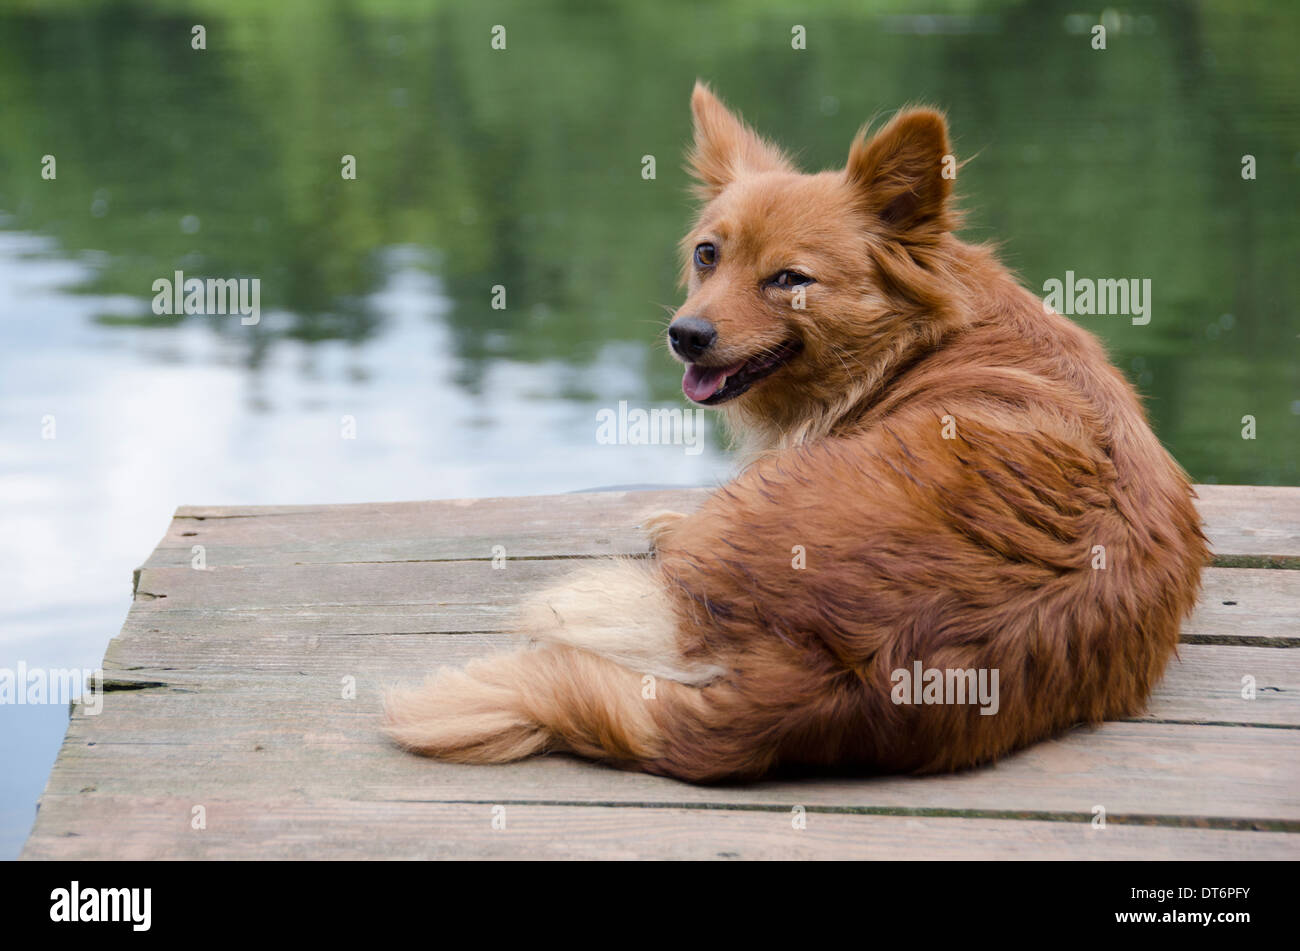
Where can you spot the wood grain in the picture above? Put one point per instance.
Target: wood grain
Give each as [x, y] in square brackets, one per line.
[229, 738]
[1247, 526]
[1252, 525]
[160, 828]
[241, 708]
[1237, 606]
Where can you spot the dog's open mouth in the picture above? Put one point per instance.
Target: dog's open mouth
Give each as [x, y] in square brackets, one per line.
[713, 385]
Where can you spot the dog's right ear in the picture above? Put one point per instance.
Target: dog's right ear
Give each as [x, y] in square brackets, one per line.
[725, 148]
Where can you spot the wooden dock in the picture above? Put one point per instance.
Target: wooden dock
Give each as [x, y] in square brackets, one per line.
[229, 730]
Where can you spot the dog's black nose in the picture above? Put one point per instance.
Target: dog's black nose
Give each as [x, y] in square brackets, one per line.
[691, 336]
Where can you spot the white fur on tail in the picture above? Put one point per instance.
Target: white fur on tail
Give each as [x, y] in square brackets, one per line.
[618, 609]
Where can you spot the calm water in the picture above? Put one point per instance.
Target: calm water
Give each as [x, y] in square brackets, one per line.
[523, 168]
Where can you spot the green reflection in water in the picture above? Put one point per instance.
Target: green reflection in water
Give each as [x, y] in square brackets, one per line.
[523, 167]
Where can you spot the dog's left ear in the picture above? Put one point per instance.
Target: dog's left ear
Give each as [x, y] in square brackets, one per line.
[903, 174]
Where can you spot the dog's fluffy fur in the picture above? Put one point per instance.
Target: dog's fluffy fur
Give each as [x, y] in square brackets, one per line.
[948, 455]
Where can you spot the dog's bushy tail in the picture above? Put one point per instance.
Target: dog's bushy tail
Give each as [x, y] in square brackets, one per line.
[550, 698]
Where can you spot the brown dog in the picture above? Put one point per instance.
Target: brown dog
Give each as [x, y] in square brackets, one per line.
[948, 488]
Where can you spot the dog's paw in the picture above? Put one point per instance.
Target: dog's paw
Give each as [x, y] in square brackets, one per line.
[658, 524]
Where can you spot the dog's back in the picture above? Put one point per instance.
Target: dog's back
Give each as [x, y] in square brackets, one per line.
[1003, 507]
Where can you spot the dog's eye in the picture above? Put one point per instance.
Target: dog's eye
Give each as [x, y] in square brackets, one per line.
[706, 255]
[791, 279]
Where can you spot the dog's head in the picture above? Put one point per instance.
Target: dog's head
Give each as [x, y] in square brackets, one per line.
[797, 283]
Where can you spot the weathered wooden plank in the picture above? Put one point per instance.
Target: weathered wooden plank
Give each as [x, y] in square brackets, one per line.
[1247, 525]
[580, 524]
[250, 737]
[161, 828]
[1252, 525]
[1237, 606]
[1203, 685]
[249, 714]
[1256, 606]
[397, 598]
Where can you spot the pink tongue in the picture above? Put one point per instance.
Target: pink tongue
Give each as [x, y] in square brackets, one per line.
[699, 383]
